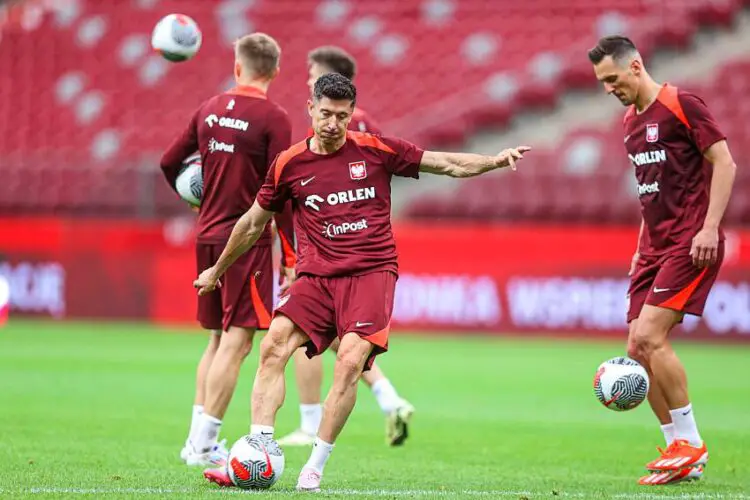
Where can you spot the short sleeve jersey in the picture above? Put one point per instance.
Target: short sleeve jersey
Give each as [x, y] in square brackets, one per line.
[666, 144]
[342, 202]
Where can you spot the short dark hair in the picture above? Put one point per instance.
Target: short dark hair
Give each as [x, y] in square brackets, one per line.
[335, 59]
[335, 87]
[614, 45]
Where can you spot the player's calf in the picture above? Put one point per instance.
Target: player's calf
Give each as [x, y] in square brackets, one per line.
[350, 361]
[283, 338]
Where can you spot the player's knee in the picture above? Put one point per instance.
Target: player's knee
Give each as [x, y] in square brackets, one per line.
[275, 346]
[647, 338]
[352, 355]
[272, 348]
[238, 340]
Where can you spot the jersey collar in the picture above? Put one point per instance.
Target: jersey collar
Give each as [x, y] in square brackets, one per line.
[247, 91]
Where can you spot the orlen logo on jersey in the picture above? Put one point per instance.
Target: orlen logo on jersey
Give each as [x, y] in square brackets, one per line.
[649, 157]
[349, 196]
[648, 188]
[215, 146]
[225, 122]
[332, 230]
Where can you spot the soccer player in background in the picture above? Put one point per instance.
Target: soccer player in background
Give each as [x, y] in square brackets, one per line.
[685, 174]
[309, 372]
[339, 183]
[238, 134]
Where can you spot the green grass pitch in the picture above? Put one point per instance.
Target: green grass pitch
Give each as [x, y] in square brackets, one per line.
[101, 410]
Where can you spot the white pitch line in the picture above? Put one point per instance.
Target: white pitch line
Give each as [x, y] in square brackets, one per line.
[381, 493]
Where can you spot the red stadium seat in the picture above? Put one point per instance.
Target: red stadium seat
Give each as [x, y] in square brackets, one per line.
[431, 71]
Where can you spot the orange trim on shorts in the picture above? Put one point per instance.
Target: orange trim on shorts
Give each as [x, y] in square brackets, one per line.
[678, 301]
[284, 158]
[369, 140]
[668, 96]
[264, 319]
[290, 258]
[380, 338]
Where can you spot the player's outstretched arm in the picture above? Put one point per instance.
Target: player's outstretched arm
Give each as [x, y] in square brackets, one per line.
[705, 244]
[244, 235]
[469, 164]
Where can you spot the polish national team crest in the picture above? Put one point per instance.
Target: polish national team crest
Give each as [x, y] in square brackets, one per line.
[652, 132]
[357, 170]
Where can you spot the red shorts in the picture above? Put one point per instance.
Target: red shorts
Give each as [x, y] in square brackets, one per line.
[246, 294]
[672, 281]
[326, 308]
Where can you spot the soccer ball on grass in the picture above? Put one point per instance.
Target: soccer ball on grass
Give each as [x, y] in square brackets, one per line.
[255, 462]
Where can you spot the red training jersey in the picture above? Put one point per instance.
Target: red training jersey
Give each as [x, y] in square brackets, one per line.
[238, 134]
[342, 202]
[666, 143]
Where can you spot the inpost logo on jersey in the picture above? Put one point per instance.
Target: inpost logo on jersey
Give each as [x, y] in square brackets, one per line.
[332, 230]
[648, 188]
[215, 146]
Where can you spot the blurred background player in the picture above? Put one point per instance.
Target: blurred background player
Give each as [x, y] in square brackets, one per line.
[348, 271]
[309, 371]
[238, 134]
[685, 174]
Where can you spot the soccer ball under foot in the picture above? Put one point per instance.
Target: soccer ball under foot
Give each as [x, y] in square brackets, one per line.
[255, 462]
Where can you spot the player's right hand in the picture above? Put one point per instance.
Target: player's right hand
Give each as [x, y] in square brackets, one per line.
[634, 263]
[508, 157]
[207, 282]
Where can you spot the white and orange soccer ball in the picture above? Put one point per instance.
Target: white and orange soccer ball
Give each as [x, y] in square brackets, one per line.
[621, 383]
[255, 462]
[176, 37]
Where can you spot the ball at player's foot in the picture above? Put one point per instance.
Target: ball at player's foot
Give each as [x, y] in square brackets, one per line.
[255, 462]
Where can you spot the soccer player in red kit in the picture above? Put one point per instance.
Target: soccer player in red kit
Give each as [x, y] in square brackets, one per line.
[309, 372]
[238, 134]
[339, 183]
[685, 174]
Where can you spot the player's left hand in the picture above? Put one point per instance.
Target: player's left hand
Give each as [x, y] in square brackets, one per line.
[705, 249]
[288, 276]
[508, 157]
[207, 282]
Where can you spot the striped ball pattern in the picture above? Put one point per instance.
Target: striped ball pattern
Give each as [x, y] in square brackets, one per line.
[189, 183]
[621, 383]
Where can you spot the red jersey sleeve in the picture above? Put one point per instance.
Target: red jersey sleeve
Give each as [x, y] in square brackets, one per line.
[703, 127]
[275, 192]
[405, 159]
[183, 146]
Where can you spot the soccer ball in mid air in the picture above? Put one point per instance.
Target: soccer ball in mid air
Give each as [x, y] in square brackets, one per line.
[176, 37]
[621, 383]
[255, 462]
[190, 180]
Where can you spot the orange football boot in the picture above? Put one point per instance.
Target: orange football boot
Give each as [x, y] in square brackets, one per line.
[679, 455]
[672, 477]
